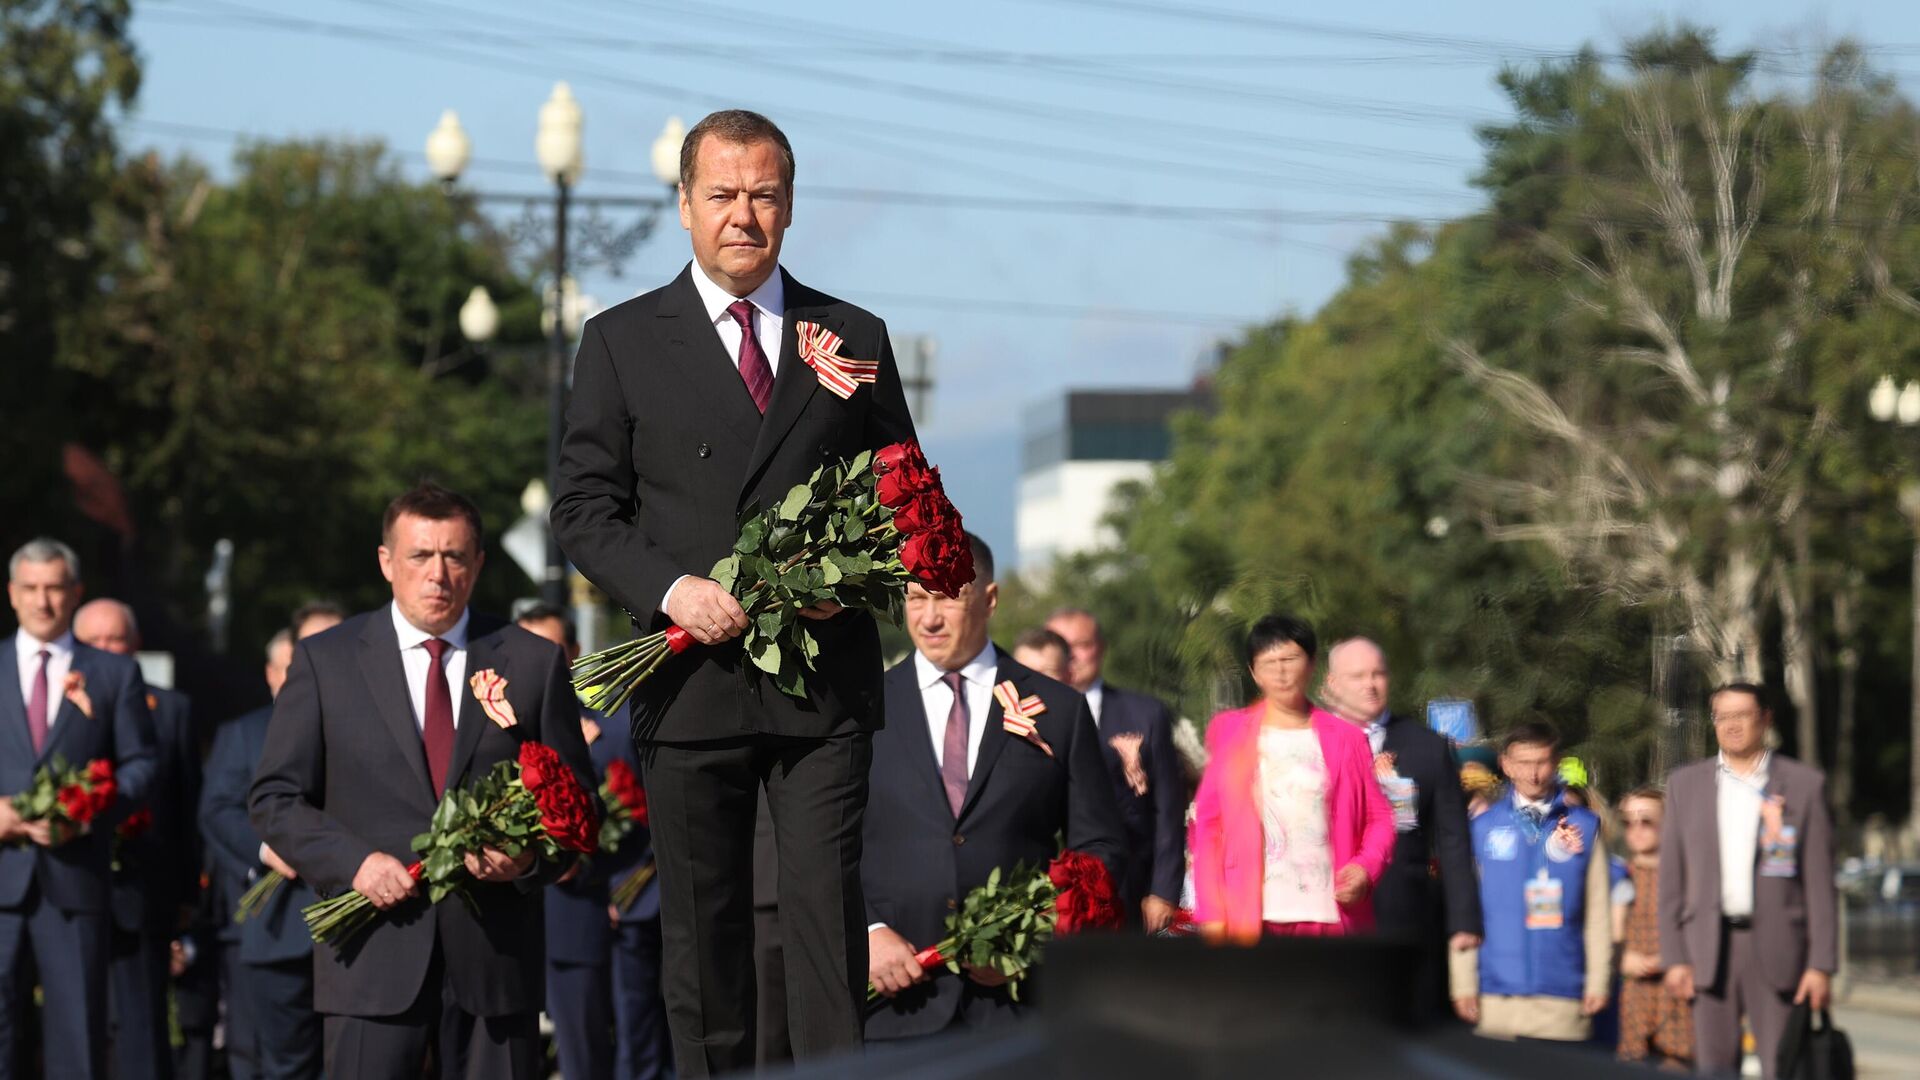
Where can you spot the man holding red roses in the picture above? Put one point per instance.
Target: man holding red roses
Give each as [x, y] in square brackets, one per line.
[379, 718]
[692, 403]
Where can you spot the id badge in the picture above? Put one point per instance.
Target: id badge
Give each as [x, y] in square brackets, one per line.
[1544, 908]
[1404, 794]
[1779, 853]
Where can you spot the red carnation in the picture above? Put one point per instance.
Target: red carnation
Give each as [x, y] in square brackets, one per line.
[99, 770]
[138, 823]
[539, 766]
[1085, 893]
[78, 806]
[626, 787]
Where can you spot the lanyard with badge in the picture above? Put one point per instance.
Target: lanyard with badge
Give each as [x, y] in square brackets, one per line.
[1779, 841]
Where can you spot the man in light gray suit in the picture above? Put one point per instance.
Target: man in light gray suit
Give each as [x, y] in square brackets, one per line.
[1747, 896]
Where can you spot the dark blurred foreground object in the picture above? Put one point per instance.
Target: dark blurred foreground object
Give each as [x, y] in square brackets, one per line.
[1808, 1052]
[1121, 1006]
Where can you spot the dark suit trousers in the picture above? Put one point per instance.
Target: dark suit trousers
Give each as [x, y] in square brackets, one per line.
[1740, 988]
[643, 1051]
[772, 1044]
[272, 1031]
[580, 1004]
[460, 1045]
[703, 798]
[137, 1002]
[69, 952]
[1408, 904]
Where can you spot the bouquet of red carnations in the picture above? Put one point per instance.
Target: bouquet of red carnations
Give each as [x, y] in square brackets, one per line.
[530, 804]
[854, 535]
[626, 803]
[68, 796]
[1004, 924]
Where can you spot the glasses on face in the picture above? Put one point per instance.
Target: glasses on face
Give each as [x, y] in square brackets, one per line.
[1647, 821]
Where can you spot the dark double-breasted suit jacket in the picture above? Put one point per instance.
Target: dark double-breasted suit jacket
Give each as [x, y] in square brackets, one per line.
[75, 876]
[663, 451]
[919, 860]
[343, 774]
[1152, 795]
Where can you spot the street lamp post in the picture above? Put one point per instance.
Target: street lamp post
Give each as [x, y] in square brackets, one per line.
[1888, 405]
[559, 147]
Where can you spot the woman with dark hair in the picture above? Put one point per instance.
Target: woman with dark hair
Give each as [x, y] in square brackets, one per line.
[1290, 830]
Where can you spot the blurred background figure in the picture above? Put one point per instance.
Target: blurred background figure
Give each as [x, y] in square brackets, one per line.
[156, 874]
[1045, 652]
[1136, 742]
[1290, 830]
[1655, 1026]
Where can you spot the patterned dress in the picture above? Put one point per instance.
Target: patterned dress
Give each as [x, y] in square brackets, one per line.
[1654, 1025]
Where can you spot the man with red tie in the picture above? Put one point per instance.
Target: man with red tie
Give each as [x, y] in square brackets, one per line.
[691, 403]
[376, 722]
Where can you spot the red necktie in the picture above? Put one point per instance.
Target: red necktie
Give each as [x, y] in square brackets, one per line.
[754, 369]
[437, 733]
[37, 705]
[953, 754]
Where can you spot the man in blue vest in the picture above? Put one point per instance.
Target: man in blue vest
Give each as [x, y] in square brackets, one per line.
[1544, 968]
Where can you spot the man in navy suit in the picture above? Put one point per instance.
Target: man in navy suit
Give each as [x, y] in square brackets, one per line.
[603, 965]
[1430, 891]
[955, 796]
[1136, 740]
[61, 699]
[157, 871]
[272, 1030]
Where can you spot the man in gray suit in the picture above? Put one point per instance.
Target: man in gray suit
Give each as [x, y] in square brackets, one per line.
[1746, 886]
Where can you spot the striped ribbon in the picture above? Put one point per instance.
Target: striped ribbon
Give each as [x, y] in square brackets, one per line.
[1020, 713]
[820, 348]
[490, 690]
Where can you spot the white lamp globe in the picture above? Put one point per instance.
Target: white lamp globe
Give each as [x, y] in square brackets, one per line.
[479, 318]
[666, 152]
[448, 148]
[558, 142]
[1884, 398]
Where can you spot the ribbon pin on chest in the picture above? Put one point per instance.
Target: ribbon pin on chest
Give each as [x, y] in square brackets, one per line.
[820, 349]
[1019, 713]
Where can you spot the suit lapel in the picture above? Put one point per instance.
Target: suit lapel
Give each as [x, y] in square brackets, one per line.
[794, 383]
[387, 683]
[993, 740]
[694, 346]
[469, 719]
[65, 715]
[910, 720]
[14, 737]
[1710, 795]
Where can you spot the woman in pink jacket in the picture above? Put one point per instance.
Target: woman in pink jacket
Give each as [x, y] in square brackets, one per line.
[1290, 827]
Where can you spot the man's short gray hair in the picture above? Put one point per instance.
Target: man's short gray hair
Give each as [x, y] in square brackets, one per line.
[282, 636]
[125, 609]
[1070, 612]
[1357, 639]
[44, 549]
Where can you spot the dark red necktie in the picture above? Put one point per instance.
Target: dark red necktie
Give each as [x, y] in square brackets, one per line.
[37, 704]
[953, 753]
[437, 729]
[754, 369]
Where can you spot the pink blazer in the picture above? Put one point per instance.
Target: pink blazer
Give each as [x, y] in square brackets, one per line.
[1229, 851]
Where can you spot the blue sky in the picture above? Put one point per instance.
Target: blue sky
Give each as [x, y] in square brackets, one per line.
[1219, 159]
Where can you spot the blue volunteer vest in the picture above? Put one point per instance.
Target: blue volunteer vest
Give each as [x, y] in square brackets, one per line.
[1515, 960]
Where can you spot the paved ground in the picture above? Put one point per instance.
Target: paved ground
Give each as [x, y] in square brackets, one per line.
[1883, 1020]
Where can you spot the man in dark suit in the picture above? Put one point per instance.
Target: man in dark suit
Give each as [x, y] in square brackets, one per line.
[1748, 906]
[272, 1031]
[955, 796]
[157, 870]
[363, 743]
[690, 404]
[1136, 740]
[1429, 892]
[603, 964]
[61, 699]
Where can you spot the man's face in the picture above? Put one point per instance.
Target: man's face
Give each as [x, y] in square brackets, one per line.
[1282, 671]
[43, 595]
[1089, 652]
[278, 658]
[432, 566]
[1640, 818]
[105, 626]
[1048, 660]
[951, 630]
[555, 631]
[737, 210]
[1531, 769]
[1357, 675]
[1739, 723]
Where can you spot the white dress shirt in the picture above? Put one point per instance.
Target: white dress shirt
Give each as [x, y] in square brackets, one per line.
[1521, 802]
[769, 315]
[1096, 695]
[1740, 798]
[26, 649]
[1376, 730]
[416, 660]
[937, 699]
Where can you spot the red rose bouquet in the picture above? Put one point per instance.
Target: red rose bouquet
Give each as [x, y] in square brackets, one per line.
[67, 797]
[626, 803]
[855, 534]
[1004, 924]
[531, 804]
